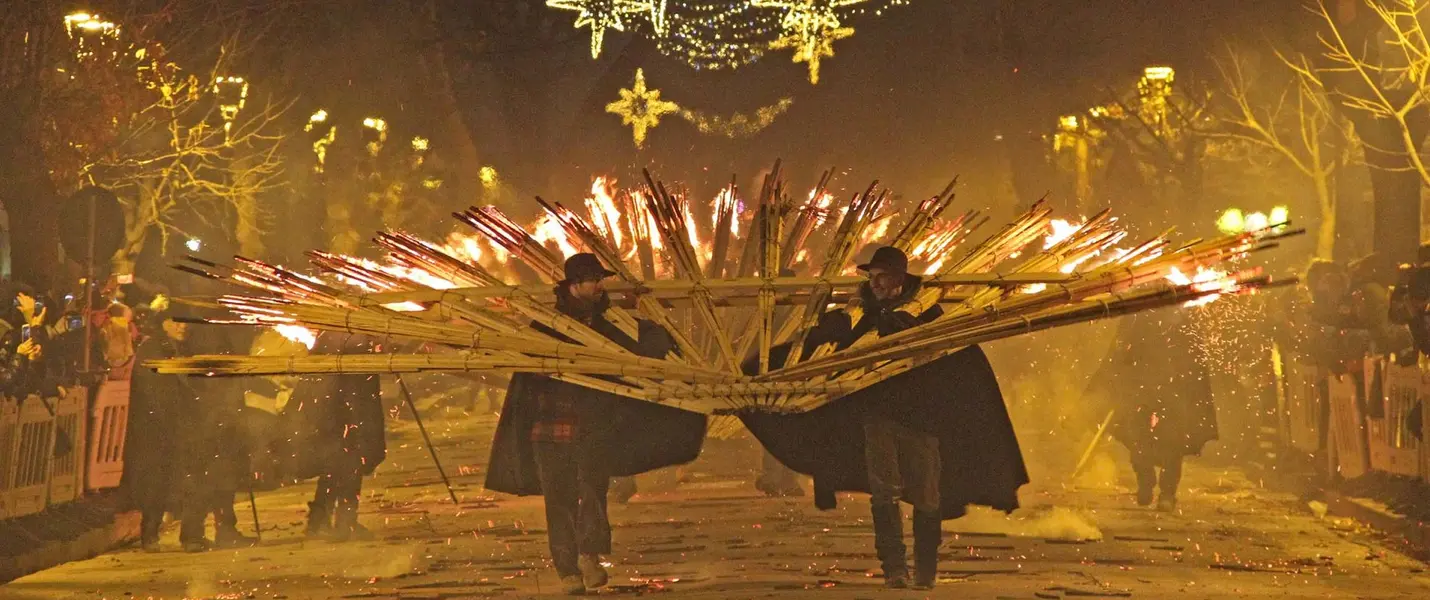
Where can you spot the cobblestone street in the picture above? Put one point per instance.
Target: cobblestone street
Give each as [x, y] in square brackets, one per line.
[715, 537]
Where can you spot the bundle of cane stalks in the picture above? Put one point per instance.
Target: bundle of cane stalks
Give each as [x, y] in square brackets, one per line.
[726, 302]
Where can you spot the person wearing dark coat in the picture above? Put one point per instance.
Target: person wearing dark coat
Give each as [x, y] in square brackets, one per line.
[565, 441]
[1163, 398]
[953, 399]
[150, 443]
[175, 455]
[339, 437]
[902, 462]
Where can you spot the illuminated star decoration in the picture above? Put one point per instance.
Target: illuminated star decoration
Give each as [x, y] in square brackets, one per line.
[600, 15]
[810, 28]
[641, 108]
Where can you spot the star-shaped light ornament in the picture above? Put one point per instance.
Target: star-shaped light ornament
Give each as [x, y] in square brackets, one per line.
[810, 29]
[641, 108]
[600, 15]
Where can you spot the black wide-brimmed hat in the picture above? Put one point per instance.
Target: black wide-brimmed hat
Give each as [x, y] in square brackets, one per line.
[585, 267]
[888, 258]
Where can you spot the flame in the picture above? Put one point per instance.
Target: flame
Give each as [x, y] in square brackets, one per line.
[1060, 230]
[935, 246]
[298, 334]
[601, 205]
[548, 230]
[877, 229]
[801, 256]
[821, 204]
[1205, 280]
[691, 230]
[726, 201]
[405, 307]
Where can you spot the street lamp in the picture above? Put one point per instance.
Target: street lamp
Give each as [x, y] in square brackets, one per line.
[376, 134]
[232, 93]
[1154, 89]
[89, 32]
[322, 139]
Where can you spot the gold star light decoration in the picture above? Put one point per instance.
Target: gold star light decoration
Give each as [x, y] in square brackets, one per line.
[600, 15]
[810, 29]
[641, 108]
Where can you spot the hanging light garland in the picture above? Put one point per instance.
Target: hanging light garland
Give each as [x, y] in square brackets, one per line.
[600, 15]
[718, 34]
[810, 29]
[641, 108]
[740, 125]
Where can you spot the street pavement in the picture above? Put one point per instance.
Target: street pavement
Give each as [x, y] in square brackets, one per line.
[716, 537]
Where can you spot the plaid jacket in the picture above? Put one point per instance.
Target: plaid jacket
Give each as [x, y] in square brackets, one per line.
[555, 420]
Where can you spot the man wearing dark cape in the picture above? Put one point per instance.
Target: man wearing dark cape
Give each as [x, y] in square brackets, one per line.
[338, 435]
[937, 436]
[1163, 400]
[565, 441]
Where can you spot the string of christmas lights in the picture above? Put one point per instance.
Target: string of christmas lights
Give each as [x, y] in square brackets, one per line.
[718, 34]
[740, 125]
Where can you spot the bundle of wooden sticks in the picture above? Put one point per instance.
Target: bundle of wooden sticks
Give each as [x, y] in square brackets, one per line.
[1028, 276]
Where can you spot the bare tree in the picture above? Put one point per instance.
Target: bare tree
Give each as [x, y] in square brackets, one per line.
[1162, 130]
[1373, 59]
[1299, 125]
[168, 142]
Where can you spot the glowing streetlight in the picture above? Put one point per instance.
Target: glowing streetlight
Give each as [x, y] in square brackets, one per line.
[194, 244]
[232, 93]
[377, 134]
[89, 32]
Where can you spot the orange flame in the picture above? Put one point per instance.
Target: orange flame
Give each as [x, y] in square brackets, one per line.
[298, 334]
[1205, 280]
[602, 207]
[1058, 231]
[548, 231]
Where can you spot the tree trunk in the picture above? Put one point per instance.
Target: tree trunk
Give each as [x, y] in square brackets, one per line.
[456, 132]
[27, 193]
[1326, 232]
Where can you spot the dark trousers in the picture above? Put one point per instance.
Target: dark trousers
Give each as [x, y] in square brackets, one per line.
[199, 501]
[903, 464]
[574, 486]
[1145, 464]
[342, 485]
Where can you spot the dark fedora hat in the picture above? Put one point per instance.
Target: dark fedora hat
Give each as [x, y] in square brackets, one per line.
[888, 258]
[585, 267]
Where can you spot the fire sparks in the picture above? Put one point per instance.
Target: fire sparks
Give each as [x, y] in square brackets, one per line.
[821, 205]
[297, 334]
[1205, 280]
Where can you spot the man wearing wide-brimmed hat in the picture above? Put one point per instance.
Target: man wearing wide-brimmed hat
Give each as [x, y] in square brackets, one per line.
[565, 442]
[903, 463]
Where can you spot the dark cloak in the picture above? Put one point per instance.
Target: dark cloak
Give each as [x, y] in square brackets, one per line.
[336, 422]
[152, 436]
[629, 436]
[955, 398]
[1153, 368]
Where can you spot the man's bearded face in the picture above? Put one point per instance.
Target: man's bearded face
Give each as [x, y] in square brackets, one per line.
[589, 290]
[886, 284]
